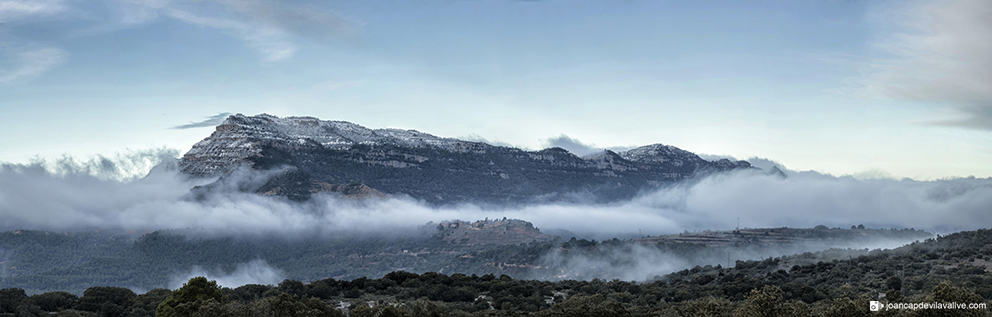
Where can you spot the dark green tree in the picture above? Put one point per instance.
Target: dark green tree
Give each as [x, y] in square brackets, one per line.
[946, 293]
[145, 304]
[894, 283]
[198, 289]
[286, 305]
[360, 309]
[10, 298]
[55, 301]
[709, 306]
[292, 287]
[106, 300]
[893, 295]
[845, 307]
[766, 302]
[424, 308]
[586, 306]
[28, 308]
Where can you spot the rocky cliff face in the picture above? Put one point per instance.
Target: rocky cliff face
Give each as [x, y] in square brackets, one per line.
[327, 155]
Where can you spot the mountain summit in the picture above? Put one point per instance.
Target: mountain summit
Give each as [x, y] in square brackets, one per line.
[319, 156]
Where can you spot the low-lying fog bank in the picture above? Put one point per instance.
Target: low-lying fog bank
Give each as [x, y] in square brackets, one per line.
[109, 193]
[103, 193]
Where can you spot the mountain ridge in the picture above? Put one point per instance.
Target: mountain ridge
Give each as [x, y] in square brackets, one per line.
[434, 169]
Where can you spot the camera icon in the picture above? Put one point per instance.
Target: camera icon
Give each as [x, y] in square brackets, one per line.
[874, 306]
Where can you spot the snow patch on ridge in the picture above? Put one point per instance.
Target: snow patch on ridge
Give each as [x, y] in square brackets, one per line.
[239, 137]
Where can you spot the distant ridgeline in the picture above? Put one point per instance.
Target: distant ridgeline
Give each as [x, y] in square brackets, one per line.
[342, 157]
[819, 236]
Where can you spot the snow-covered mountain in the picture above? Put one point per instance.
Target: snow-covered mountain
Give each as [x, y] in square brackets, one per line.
[239, 137]
[436, 169]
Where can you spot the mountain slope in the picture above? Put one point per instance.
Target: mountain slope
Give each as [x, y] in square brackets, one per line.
[435, 169]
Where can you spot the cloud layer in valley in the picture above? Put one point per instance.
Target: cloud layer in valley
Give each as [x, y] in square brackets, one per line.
[107, 192]
[71, 194]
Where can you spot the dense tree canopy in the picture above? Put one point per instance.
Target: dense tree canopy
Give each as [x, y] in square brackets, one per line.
[188, 300]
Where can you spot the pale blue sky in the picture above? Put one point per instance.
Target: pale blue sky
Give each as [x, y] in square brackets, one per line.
[843, 87]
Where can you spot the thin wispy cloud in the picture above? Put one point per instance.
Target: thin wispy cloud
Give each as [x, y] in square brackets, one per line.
[24, 63]
[271, 28]
[303, 21]
[21, 60]
[271, 42]
[976, 116]
[941, 52]
[208, 122]
[268, 27]
[12, 9]
[139, 11]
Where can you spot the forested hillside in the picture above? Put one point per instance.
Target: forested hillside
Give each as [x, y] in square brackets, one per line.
[45, 261]
[944, 269]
